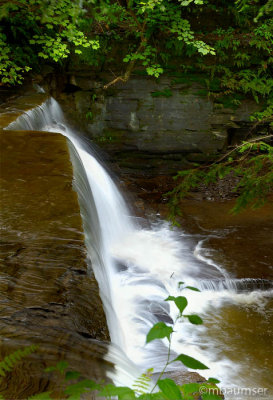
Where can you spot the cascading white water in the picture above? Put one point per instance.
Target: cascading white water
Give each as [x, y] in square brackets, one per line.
[138, 268]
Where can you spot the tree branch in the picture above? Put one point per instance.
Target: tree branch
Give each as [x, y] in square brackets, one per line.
[124, 78]
[257, 139]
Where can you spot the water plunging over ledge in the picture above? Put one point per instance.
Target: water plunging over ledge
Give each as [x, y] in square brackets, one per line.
[138, 268]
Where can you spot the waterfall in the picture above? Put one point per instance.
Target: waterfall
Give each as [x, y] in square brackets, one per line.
[138, 268]
[236, 285]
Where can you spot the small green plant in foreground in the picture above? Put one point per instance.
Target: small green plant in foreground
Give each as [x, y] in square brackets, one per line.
[143, 389]
[9, 362]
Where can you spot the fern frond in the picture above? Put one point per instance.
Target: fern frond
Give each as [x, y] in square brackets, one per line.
[142, 384]
[9, 362]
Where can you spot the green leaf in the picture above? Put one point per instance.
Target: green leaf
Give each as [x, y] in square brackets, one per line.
[71, 375]
[76, 390]
[213, 380]
[159, 331]
[8, 363]
[61, 366]
[150, 396]
[170, 389]
[190, 388]
[180, 301]
[194, 319]
[123, 392]
[192, 288]
[190, 362]
[211, 396]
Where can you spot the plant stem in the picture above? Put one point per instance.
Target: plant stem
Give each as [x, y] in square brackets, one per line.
[165, 366]
[168, 357]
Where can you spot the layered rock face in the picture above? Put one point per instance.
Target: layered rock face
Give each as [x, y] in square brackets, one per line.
[155, 127]
[48, 294]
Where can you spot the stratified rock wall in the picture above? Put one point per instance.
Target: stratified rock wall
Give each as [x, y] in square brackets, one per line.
[152, 125]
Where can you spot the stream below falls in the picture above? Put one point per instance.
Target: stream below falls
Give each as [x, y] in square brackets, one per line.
[138, 265]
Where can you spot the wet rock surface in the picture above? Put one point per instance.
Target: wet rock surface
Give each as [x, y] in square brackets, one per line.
[48, 294]
[18, 103]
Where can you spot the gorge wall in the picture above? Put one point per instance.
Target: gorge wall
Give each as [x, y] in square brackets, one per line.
[154, 127]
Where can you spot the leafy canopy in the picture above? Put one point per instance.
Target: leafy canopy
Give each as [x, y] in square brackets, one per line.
[50, 30]
[229, 42]
[33, 29]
